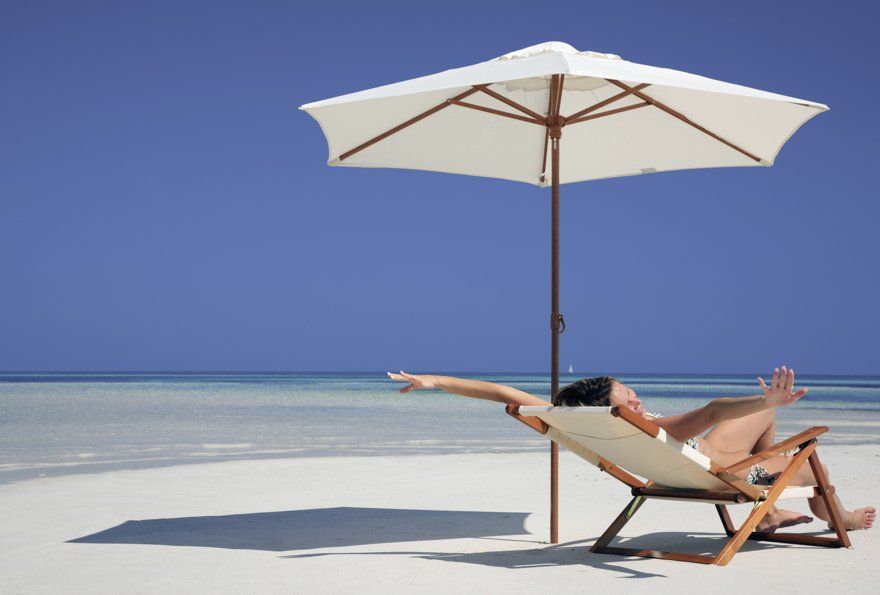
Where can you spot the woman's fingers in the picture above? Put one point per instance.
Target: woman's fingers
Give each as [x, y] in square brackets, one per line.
[412, 378]
[402, 378]
[783, 381]
[792, 397]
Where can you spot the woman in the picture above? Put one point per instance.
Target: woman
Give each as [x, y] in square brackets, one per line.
[738, 427]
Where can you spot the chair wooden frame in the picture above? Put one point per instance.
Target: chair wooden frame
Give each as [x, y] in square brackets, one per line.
[740, 492]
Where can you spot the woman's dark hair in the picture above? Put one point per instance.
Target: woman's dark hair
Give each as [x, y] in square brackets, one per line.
[591, 392]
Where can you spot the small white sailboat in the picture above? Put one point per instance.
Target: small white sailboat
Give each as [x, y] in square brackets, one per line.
[570, 369]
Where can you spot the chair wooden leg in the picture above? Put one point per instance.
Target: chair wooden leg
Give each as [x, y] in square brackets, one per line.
[747, 530]
[798, 538]
[601, 545]
[615, 527]
[826, 491]
[761, 510]
[725, 520]
[677, 556]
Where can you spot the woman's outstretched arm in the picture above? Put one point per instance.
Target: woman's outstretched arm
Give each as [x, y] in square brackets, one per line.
[693, 423]
[476, 389]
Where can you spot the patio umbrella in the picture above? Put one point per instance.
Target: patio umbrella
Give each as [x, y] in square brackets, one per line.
[507, 117]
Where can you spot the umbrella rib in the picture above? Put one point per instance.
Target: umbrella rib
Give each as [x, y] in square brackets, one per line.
[559, 94]
[489, 110]
[406, 124]
[485, 89]
[605, 102]
[682, 117]
[550, 105]
[610, 112]
[543, 177]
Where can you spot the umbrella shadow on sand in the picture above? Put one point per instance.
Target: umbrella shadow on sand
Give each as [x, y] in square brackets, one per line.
[312, 529]
[577, 553]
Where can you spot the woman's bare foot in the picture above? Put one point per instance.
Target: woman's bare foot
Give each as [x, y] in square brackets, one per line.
[860, 518]
[778, 518]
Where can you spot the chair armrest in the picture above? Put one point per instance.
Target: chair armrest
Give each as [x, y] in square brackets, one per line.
[794, 441]
[634, 419]
[533, 422]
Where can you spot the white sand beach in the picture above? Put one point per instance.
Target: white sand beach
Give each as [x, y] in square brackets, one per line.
[427, 523]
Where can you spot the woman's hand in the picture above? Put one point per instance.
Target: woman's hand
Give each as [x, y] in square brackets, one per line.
[781, 390]
[422, 382]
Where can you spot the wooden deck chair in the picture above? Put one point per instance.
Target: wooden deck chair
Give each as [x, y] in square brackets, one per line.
[625, 445]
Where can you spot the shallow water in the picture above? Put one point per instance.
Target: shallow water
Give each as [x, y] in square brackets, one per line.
[60, 424]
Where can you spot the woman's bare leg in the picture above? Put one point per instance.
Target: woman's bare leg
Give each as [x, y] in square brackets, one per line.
[749, 435]
[860, 518]
[757, 432]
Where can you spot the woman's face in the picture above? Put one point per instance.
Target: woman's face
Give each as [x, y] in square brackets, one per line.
[622, 395]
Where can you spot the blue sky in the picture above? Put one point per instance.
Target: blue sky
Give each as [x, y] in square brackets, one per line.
[165, 206]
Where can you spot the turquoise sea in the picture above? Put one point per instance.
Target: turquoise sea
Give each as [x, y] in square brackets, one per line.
[55, 424]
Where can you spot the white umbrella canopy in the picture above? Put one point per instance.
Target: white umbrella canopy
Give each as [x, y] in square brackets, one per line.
[619, 118]
[507, 117]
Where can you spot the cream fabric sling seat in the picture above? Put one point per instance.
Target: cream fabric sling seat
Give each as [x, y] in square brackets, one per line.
[629, 447]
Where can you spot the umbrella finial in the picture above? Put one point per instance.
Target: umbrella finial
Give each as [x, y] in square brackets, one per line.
[553, 47]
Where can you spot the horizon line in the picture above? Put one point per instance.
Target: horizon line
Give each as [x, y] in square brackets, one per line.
[379, 372]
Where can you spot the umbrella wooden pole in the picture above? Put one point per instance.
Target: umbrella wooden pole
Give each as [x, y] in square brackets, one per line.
[554, 339]
[554, 127]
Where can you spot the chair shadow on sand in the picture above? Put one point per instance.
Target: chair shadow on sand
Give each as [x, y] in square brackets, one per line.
[578, 553]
